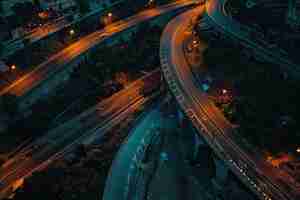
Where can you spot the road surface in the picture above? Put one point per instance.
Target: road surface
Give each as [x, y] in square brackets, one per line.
[84, 128]
[58, 61]
[47, 29]
[216, 130]
[124, 166]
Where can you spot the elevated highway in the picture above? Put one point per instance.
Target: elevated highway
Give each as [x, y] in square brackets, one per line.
[259, 177]
[88, 126]
[26, 85]
[217, 16]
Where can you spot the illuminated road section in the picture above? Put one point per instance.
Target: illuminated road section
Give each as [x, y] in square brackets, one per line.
[216, 130]
[58, 61]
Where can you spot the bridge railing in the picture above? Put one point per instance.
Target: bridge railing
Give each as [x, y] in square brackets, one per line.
[271, 52]
[138, 180]
[242, 31]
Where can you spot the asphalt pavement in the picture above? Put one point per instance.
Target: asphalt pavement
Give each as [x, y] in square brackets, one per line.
[60, 60]
[86, 127]
[209, 121]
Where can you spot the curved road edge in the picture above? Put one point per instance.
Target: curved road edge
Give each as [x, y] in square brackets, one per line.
[124, 169]
[216, 130]
[222, 22]
[58, 61]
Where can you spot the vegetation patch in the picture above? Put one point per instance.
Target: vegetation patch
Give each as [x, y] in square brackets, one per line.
[265, 103]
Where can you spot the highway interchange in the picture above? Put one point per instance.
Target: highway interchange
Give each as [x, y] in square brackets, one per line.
[216, 13]
[46, 30]
[83, 129]
[258, 176]
[59, 61]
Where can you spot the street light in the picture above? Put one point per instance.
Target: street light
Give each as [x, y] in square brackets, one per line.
[224, 91]
[109, 14]
[298, 150]
[13, 67]
[72, 32]
[195, 43]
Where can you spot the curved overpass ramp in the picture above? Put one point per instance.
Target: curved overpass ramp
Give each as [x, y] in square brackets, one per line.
[57, 62]
[209, 121]
[124, 179]
[217, 15]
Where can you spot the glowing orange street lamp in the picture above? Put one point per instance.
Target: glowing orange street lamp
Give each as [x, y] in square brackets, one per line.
[298, 150]
[109, 14]
[13, 67]
[195, 43]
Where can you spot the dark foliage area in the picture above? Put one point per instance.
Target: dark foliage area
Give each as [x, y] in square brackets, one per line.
[267, 104]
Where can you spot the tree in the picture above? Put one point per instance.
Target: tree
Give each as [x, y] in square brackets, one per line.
[81, 151]
[26, 55]
[161, 2]
[24, 12]
[1, 6]
[104, 6]
[9, 104]
[210, 56]
[37, 3]
[1, 48]
[136, 5]
[83, 5]
[42, 185]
